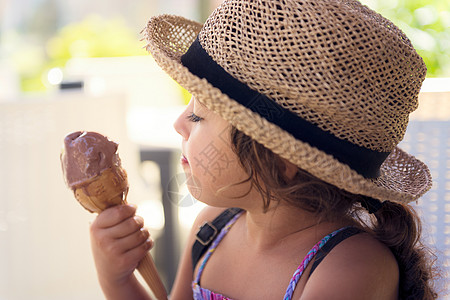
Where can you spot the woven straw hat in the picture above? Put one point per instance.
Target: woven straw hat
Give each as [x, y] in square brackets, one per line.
[325, 84]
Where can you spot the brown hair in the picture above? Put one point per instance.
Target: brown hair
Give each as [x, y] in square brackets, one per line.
[396, 225]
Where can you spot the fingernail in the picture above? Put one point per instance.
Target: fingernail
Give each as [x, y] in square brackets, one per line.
[145, 232]
[148, 244]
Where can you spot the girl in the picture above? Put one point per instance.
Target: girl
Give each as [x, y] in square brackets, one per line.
[290, 138]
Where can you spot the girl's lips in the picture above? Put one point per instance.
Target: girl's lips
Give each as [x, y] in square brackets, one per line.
[184, 160]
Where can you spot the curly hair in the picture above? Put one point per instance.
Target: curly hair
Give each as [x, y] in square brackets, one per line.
[396, 225]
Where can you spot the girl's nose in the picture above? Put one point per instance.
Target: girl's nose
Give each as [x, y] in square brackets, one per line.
[181, 124]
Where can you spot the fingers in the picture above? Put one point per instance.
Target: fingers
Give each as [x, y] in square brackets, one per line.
[132, 248]
[126, 227]
[137, 252]
[117, 222]
[119, 241]
[114, 215]
[129, 260]
[118, 230]
[136, 239]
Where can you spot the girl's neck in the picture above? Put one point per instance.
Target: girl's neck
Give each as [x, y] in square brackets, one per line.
[283, 223]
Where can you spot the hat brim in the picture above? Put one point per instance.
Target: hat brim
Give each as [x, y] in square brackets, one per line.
[403, 178]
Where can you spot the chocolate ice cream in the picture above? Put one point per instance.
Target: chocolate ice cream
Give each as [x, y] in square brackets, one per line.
[87, 154]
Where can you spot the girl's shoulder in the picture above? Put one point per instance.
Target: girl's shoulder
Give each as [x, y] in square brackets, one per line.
[360, 265]
[207, 214]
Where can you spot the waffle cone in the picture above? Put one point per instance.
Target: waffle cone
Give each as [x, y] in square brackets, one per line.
[103, 191]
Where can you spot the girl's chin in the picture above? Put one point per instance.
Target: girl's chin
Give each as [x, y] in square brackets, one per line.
[193, 185]
[195, 192]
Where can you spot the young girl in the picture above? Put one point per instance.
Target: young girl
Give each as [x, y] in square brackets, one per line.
[290, 138]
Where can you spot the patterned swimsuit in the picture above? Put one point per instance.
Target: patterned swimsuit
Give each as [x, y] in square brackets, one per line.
[205, 294]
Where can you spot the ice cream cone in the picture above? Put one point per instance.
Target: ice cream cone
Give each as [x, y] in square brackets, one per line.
[107, 187]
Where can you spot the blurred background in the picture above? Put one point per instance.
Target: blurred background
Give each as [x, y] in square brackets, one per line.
[80, 65]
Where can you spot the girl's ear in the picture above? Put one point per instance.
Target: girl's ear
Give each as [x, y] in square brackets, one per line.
[290, 169]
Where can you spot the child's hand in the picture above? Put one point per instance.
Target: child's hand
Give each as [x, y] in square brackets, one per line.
[119, 241]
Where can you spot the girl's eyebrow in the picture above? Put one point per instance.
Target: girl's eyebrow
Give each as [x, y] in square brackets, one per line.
[200, 108]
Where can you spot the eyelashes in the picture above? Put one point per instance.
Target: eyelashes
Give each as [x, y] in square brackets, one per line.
[193, 117]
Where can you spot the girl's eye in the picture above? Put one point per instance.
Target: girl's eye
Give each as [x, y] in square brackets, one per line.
[194, 118]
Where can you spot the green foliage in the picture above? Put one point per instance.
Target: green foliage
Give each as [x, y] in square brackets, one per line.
[427, 24]
[93, 37]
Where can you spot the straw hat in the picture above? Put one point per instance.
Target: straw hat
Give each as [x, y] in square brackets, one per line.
[325, 84]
